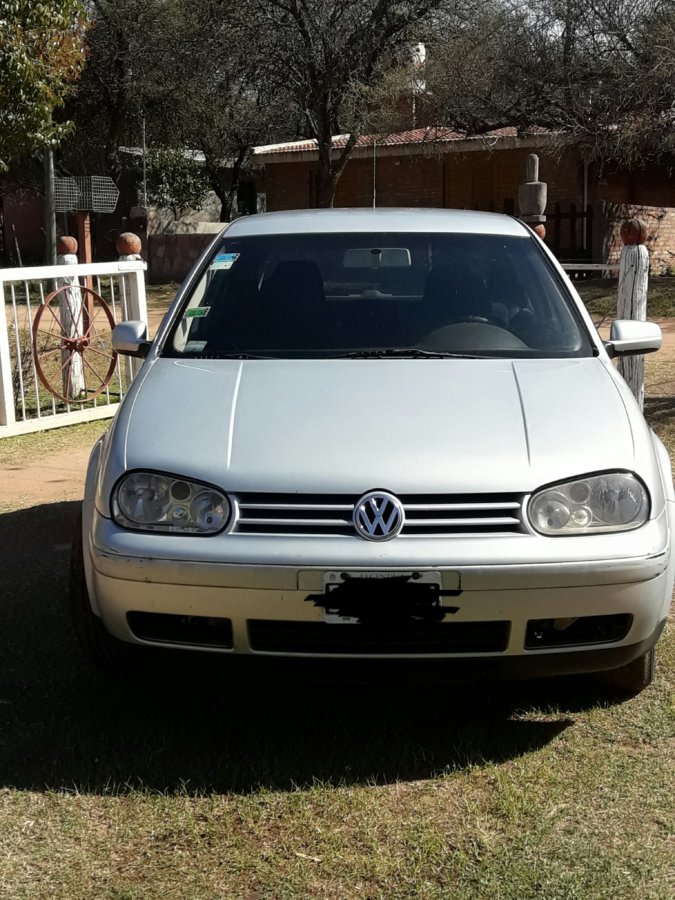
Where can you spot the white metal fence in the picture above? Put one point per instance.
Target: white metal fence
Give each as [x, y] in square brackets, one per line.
[25, 404]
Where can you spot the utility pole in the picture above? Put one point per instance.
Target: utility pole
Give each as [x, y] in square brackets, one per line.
[50, 212]
[145, 182]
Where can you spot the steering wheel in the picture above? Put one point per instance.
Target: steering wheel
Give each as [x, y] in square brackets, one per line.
[465, 336]
[482, 319]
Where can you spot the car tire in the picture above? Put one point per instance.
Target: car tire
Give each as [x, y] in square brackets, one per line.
[109, 654]
[634, 677]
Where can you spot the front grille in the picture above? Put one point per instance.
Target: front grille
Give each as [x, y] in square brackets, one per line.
[425, 515]
[319, 638]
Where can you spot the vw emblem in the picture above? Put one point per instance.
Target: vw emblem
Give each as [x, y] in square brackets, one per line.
[378, 516]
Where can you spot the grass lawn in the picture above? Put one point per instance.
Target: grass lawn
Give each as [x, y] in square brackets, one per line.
[201, 784]
[599, 295]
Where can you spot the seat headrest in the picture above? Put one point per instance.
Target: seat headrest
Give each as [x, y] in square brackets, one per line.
[300, 278]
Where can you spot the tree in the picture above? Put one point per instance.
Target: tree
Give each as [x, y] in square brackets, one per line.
[193, 70]
[107, 106]
[41, 55]
[329, 57]
[175, 180]
[600, 71]
[206, 89]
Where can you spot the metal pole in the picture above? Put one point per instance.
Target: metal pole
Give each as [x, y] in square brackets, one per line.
[145, 183]
[584, 205]
[50, 212]
[374, 174]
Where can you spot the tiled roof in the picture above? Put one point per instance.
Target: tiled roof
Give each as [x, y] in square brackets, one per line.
[416, 136]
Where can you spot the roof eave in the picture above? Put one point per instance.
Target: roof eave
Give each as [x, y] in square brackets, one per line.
[431, 147]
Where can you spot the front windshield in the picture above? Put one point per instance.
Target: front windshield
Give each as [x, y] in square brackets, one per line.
[377, 294]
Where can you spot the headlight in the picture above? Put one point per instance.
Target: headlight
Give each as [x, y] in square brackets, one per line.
[150, 502]
[613, 501]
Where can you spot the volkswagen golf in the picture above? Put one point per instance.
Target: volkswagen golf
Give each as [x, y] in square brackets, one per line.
[383, 435]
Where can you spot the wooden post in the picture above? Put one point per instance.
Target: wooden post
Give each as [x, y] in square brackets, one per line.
[83, 220]
[632, 298]
[72, 324]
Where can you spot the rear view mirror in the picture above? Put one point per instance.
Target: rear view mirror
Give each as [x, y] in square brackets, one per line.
[131, 339]
[377, 258]
[629, 337]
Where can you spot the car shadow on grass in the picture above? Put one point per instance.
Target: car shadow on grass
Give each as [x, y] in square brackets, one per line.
[659, 410]
[195, 725]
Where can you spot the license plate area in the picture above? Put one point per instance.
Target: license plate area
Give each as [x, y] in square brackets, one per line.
[367, 598]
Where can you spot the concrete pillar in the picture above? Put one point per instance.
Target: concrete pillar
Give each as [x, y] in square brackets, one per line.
[533, 196]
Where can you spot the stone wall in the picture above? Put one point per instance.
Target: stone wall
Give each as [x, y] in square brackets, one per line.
[171, 256]
[660, 243]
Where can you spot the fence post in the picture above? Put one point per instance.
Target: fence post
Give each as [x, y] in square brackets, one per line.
[632, 297]
[129, 248]
[7, 413]
[72, 319]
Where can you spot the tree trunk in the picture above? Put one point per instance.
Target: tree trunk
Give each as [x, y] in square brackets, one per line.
[225, 183]
[325, 190]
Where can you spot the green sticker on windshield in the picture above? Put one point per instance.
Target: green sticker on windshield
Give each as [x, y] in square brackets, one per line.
[197, 312]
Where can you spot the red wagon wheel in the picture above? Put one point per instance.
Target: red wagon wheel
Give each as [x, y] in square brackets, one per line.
[72, 344]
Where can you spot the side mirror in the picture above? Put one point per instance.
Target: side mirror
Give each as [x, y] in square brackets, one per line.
[131, 339]
[629, 337]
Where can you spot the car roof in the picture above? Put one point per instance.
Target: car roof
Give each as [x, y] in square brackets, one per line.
[345, 221]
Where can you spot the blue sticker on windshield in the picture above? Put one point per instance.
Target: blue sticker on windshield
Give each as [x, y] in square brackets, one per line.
[225, 260]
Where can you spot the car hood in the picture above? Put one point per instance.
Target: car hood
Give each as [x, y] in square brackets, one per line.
[348, 426]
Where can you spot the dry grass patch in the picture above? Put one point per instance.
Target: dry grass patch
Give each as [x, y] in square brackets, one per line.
[599, 295]
[28, 448]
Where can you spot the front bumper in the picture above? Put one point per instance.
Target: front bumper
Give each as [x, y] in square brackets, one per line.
[513, 587]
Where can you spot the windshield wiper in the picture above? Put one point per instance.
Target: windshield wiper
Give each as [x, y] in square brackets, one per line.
[403, 353]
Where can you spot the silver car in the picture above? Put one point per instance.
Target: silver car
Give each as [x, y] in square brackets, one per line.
[380, 434]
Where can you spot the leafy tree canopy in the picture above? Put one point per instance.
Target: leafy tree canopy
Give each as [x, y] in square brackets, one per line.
[41, 55]
[175, 179]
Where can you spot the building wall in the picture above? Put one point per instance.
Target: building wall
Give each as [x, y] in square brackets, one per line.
[480, 179]
[288, 186]
[489, 180]
[23, 217]
[660, 243]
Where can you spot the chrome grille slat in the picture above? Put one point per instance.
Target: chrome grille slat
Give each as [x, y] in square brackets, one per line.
[295, 522]
[452, 507]
[414, 523]
[331, 516]
[337, 507]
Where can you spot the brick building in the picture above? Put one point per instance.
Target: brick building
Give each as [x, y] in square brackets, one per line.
[440, 168]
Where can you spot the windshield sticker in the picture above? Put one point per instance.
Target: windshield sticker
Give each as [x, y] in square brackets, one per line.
[195, 346]
[224, 261]
[197, 312]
